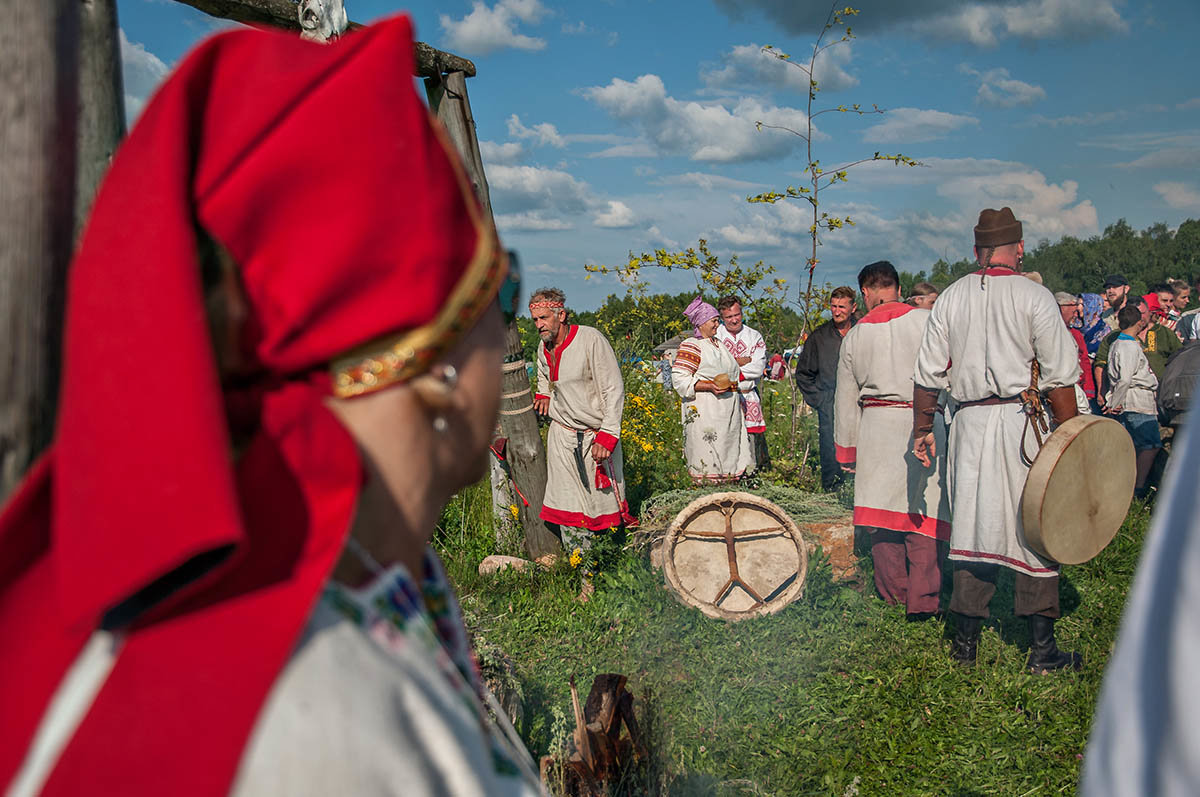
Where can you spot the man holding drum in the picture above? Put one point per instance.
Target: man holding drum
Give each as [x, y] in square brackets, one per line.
[998, 345]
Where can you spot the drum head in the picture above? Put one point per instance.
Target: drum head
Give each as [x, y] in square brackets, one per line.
[734, 555]
[1078, 490]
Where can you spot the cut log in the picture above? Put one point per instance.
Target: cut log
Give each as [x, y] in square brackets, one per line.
[101, 101]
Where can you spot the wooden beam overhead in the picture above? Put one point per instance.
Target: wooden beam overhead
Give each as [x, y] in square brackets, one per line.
[282, 14]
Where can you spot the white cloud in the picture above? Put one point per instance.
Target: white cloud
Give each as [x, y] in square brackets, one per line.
[543, 133]
[1088, 119]
[141, 71]
[658, 239]
[507, 153]
[530, 221]
[577, 29]
[700, 131]
[747, 67]
[1180, 196]
[707, 182]
[999, 90]
[964, 186]
[980, 22]
[1167, 158]
[1188, 105]
[911, 125]
[616, 216]
[485, 30]
[516, 189]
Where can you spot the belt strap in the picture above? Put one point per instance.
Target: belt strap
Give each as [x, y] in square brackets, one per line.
[871, 401]
[990, 401]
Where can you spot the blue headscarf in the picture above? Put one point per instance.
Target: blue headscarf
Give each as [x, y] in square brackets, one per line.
[1090, 324]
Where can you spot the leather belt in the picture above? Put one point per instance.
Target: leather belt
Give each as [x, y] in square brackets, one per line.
[990, 401]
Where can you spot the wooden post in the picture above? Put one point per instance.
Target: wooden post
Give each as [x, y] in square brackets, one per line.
[101, 101]
[38, 88]
[518, 422]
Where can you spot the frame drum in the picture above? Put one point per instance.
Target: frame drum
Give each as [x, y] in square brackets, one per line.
[734, 555]
[1078, 490]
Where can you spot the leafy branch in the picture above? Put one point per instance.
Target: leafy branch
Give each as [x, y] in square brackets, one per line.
[819, 179]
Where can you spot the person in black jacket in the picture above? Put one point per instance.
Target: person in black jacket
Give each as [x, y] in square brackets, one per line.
[816, 376]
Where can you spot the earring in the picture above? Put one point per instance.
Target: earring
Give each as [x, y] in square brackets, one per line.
[439, 424]
[448, 374]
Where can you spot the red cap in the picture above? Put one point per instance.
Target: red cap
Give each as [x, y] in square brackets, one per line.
[318, 169]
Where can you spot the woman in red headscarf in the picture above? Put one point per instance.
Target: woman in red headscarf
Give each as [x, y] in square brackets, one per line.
[218, 577]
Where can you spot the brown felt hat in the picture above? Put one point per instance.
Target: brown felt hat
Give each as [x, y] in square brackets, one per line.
[997, 228]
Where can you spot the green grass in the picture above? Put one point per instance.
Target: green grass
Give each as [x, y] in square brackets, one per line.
[833, 694]
[837, 694]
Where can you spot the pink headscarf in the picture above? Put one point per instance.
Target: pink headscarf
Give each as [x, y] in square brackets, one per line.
[699, 312]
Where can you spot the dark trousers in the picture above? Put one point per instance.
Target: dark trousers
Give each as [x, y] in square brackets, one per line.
[831, 471]
[762, 457]
[906, 569]
[975, 584]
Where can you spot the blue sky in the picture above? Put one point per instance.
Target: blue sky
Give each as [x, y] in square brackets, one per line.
[626, 125]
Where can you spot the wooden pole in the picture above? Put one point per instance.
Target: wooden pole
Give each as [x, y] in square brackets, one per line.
[39, 71]
[101, 101]
[518, 422]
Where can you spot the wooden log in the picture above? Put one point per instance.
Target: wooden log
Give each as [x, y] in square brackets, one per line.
[283, 14]
[101, 101]
[526, 453]
[39, 67]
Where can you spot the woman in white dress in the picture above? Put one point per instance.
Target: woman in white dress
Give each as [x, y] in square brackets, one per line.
[705, 375]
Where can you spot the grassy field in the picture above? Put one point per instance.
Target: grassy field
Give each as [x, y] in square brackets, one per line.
[836, 695]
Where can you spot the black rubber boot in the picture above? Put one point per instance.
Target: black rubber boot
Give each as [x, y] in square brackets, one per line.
[1044, 655]
[966, 639]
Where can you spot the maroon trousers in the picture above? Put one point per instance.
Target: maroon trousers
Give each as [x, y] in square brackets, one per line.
[907, 569]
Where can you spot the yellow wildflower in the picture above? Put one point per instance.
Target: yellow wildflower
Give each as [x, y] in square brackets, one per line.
[513, 508]
[647, 447]
[576, 557]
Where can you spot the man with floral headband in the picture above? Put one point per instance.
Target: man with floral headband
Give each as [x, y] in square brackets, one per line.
[218, 579]
[581, 390]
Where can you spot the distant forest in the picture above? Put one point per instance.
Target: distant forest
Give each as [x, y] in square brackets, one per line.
[1080, 266]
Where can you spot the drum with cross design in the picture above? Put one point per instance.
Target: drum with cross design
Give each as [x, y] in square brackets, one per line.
[734, 555]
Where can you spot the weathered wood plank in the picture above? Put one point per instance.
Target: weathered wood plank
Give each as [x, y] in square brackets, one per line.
[39, 74]
[101, 101]
[283, 14]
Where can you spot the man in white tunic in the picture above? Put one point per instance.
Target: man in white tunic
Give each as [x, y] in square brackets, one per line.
[705, 376]
[1132, 393]
[748, 348]
[898, 500]
[985, 336]
[581, 390]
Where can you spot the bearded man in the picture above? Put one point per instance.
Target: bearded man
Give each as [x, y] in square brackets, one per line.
[899, 502]
[581, 390]
[990, 337]
[748, 348]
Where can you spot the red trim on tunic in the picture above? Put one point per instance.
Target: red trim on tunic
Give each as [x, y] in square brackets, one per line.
[998, 271]
[606, 440]
[554, 356]
[846, 456]
[872, 401]
[1006, 560]
[540, 396]
[882, 313]
[902, 521]
[756, 429]
[713, 478]
[579, 520]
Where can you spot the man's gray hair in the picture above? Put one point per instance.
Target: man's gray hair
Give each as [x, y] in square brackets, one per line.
[551, 296]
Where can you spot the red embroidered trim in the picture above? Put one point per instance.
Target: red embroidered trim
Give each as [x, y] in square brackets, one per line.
[541, 396]
[998, 271]
[1002, 559]
[755, 429]
[846, 456]
[579, 520]
[557, 352]
[882, 313]
[902, 521]
[871, 401]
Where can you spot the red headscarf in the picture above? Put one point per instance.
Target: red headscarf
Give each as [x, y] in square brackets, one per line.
[319, 170]
[1156, 308]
